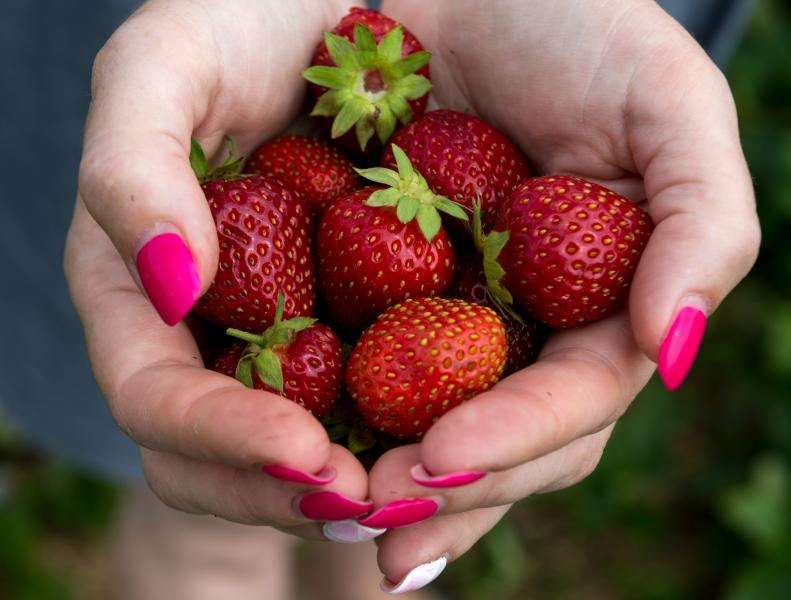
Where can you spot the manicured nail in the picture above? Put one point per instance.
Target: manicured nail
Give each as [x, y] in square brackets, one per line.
[331, 506]
[350, 532]
[420, 475]
[295, 476]
[401, 513]
[417, 578]
[679, 348]
[169, 275]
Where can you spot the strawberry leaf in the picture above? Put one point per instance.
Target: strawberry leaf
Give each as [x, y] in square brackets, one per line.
[390, 45]
[451, 208]
[400, 108]
[361, 438]
[297, 324]
[267, 365]
[388, 197]
[328, 105]
[198, 162]
[407, 209]
[351, 112]
[386, 123]
[380, 175]
[411, 63]
[244, 372]
[365, 44]
[341, 51]
[405, 169]
[364, 130]
[328, 77]
[429, 221]
[413, 87]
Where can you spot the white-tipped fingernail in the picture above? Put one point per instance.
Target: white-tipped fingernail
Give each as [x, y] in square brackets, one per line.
[417, 578]
[350, 532]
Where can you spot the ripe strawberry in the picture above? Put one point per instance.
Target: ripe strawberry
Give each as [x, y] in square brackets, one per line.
[378, 246]
[300, 359]
[420, 359]
[308, 166]
[524, 338]
[264, 234]
[571, 250]
[462, 157]
[369, 73]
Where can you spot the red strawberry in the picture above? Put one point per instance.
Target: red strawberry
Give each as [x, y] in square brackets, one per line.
[300, 359]
[308, 166]
[524, 339]
[420, 359]
[264, 234]
[379, 246]
[369, 73]
[571, 250]
[462, 157]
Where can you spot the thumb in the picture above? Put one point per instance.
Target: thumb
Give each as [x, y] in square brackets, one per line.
[700, 197]
[135, 175]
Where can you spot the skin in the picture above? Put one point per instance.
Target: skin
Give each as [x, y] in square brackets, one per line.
[613, 91]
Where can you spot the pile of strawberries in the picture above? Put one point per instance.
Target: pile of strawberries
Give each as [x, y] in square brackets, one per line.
[379, 298]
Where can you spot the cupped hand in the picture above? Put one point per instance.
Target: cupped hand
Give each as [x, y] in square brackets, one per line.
[174, 70]
[618, 93]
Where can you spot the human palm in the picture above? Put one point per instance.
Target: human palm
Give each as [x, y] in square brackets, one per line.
[615, 92]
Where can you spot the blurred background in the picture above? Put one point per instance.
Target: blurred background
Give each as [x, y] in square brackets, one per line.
[691, 500]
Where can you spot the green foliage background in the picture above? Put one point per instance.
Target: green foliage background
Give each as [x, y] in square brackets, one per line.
[693, 496]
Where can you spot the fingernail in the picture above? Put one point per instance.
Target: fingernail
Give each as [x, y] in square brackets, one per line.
[331, 506]
[420, 475]
[679, 348]
[325, 476]
[401, 513]
[417, 578]
[169, 275]
[350, 532]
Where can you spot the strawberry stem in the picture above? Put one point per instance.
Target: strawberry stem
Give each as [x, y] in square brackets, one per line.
[411, 196]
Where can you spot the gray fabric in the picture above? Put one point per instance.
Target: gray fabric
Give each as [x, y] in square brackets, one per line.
[46, 49]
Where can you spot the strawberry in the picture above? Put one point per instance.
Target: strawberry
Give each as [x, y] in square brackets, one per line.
[525, 337]
[462, 157]
[571, 251]
[369, 73]
[420, 359]
[307, 165]
[378, 246]
[263, 231]
[300, 359]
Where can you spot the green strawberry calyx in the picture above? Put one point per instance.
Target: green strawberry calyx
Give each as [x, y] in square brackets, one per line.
[229, 169]
[370, 85]
[261, 349]
[489, 246]
[409, 193]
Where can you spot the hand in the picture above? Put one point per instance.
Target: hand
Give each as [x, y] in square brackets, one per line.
[615, 92]
[173, 70]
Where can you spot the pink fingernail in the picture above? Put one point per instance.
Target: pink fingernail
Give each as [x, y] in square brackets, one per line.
[420, 475]
[331, 506]
[169, 275]
[349, 532]
[680, 347]
[417, 578]
[296, 476]
[401, 513]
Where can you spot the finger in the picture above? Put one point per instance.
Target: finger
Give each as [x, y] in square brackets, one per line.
[135, 175]
[154, 381]
[413, 557]
[700, 197]
[399, 474]
[248, 497]
[584, 380]
[170, 73]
